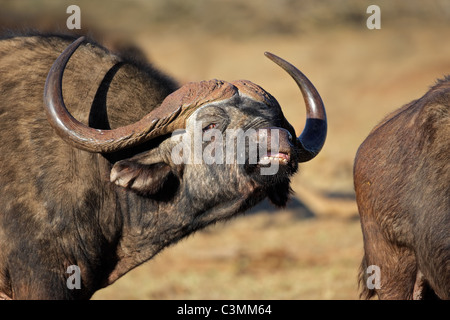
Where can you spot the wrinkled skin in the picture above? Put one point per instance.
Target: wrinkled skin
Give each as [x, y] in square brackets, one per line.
[106, 213]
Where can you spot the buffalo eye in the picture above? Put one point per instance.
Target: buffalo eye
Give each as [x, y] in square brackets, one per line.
[210, 126]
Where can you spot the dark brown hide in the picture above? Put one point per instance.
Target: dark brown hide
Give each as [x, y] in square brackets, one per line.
[402, 183]
[55, 199]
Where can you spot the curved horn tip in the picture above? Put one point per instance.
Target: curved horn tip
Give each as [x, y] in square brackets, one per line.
[314, 133]
[77, 42]
[274, 58]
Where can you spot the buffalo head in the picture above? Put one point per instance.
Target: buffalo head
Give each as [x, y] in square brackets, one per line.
[213, 108]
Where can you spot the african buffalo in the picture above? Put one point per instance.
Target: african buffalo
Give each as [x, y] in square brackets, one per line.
[89, 179]
[402, 184]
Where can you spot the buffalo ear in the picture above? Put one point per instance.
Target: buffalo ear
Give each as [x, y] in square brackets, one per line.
[146, 179]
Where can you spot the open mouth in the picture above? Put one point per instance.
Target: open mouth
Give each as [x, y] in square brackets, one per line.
[280, 157]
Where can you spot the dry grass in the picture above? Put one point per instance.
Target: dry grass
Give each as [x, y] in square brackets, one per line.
[361, 74]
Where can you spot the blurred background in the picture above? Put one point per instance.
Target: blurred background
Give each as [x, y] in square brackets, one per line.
[311, 249]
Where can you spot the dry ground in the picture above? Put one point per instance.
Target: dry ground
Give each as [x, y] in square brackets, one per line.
[261, 256]
[311, 250]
